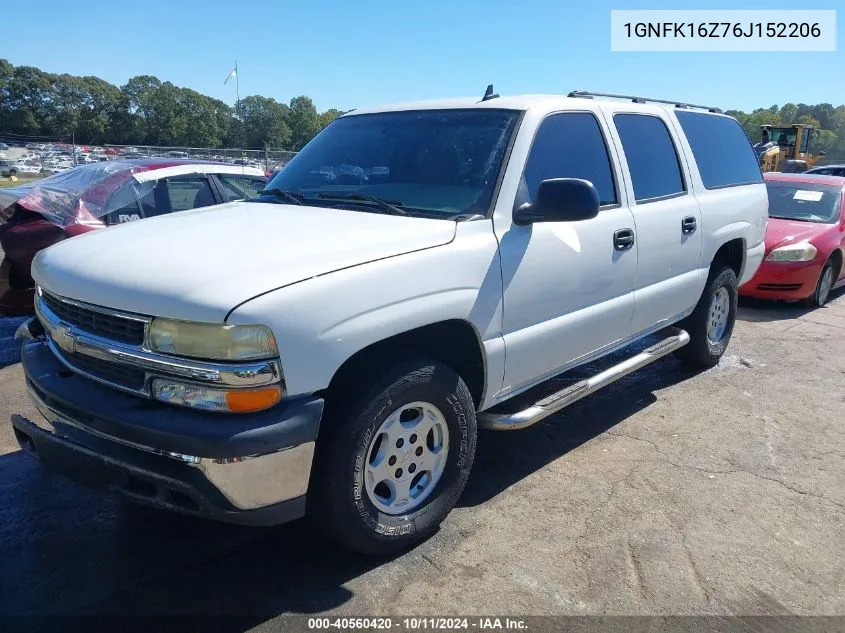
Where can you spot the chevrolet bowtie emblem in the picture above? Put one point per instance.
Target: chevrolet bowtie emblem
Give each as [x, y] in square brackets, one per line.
[64, 338]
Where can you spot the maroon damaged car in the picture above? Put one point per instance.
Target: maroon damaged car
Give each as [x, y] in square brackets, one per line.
[90, 197]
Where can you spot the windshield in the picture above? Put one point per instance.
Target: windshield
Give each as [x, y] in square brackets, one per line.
[435, 162]
[807, 202]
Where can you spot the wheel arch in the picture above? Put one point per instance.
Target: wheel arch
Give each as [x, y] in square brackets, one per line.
[837, 259]
[454, 342]
[732, 254]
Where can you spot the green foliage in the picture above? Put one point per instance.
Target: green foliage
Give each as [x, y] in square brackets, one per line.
[147, 111]
[827, 119]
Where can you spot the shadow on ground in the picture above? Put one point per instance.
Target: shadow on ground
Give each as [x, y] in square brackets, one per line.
[65, 550]
[10, 351]
[759, 310]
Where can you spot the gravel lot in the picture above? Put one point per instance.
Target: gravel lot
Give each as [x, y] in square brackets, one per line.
[667, 493]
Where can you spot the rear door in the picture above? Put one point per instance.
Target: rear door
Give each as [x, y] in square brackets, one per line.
[666, 215]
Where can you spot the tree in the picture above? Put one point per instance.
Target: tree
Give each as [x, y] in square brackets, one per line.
[328, 116]
[265, 120]
[303, 120]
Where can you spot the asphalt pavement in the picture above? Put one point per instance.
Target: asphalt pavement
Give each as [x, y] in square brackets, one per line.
[667, 493]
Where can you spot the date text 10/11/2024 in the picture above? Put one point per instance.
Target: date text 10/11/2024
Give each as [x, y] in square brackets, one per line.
[417, 623]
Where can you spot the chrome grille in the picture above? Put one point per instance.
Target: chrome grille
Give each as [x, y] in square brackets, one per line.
[101, 324]
[114, 373]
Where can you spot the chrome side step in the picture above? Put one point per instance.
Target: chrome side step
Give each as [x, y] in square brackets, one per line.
[673, 338]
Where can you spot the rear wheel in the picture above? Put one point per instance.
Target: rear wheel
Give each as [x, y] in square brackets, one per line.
[823, 287]
[711, 324]
[392, 462]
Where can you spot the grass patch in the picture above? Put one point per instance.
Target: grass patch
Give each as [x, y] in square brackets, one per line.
[5, 183]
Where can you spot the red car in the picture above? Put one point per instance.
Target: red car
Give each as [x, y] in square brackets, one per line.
[89, 197]
[805, 239]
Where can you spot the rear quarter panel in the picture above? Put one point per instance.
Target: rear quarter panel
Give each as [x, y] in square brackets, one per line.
[727, 213]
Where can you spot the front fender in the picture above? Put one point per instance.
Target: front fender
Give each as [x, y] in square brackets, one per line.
[321, 322]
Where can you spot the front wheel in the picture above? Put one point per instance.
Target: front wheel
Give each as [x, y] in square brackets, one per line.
[392, 463]
[822, 292]
[712, 322]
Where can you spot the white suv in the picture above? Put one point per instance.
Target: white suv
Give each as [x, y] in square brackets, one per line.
[341, 336]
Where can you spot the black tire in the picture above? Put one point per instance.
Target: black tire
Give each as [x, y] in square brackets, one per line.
[821, 294]
[338, 502]
[700, 352]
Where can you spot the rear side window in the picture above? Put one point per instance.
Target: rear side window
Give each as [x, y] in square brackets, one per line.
[721, 149]
[652, 159]
[568, 145]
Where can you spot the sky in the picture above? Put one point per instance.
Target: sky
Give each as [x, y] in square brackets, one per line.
[348, 55]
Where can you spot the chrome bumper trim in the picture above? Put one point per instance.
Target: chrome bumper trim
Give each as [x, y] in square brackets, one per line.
[70, 339]
[248, 482]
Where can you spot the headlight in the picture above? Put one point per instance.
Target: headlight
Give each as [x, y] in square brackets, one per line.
[210, 399]
[793, 253]
[211, 340]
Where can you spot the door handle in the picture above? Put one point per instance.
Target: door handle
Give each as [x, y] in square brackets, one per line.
[623, 239]
[688, 225]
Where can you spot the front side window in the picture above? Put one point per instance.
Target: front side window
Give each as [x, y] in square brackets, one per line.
[568, 145]
[652, 159]
[805, 202]
[435, 162]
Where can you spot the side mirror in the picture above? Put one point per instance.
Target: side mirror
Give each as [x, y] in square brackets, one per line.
[560, 200]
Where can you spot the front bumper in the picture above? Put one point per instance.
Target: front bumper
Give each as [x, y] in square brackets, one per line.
[251, 469]
[784, 281]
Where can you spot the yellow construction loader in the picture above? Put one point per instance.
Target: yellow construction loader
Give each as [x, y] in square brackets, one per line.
[786, 149]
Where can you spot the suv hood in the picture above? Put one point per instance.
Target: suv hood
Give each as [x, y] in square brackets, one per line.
[198, 265]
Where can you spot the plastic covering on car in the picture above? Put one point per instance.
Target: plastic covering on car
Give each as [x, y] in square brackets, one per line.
[80, 195]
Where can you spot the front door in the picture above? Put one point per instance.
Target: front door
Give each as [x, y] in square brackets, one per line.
[568, 286]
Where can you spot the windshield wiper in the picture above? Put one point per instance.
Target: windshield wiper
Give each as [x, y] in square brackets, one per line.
[391, 206]
[291, 196]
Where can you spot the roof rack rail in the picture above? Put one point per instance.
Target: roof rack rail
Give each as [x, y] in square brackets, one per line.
[585, 94]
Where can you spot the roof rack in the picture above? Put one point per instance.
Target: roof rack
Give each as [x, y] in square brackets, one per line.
[585, 94]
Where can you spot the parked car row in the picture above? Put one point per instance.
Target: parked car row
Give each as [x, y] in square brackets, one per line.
[60, 157]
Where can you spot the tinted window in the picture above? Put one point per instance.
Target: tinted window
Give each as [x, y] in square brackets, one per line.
[240, 187]
[651, 155]
[568, 145]
[721, 149]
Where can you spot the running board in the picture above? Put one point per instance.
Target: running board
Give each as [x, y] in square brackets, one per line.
[672, 338]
